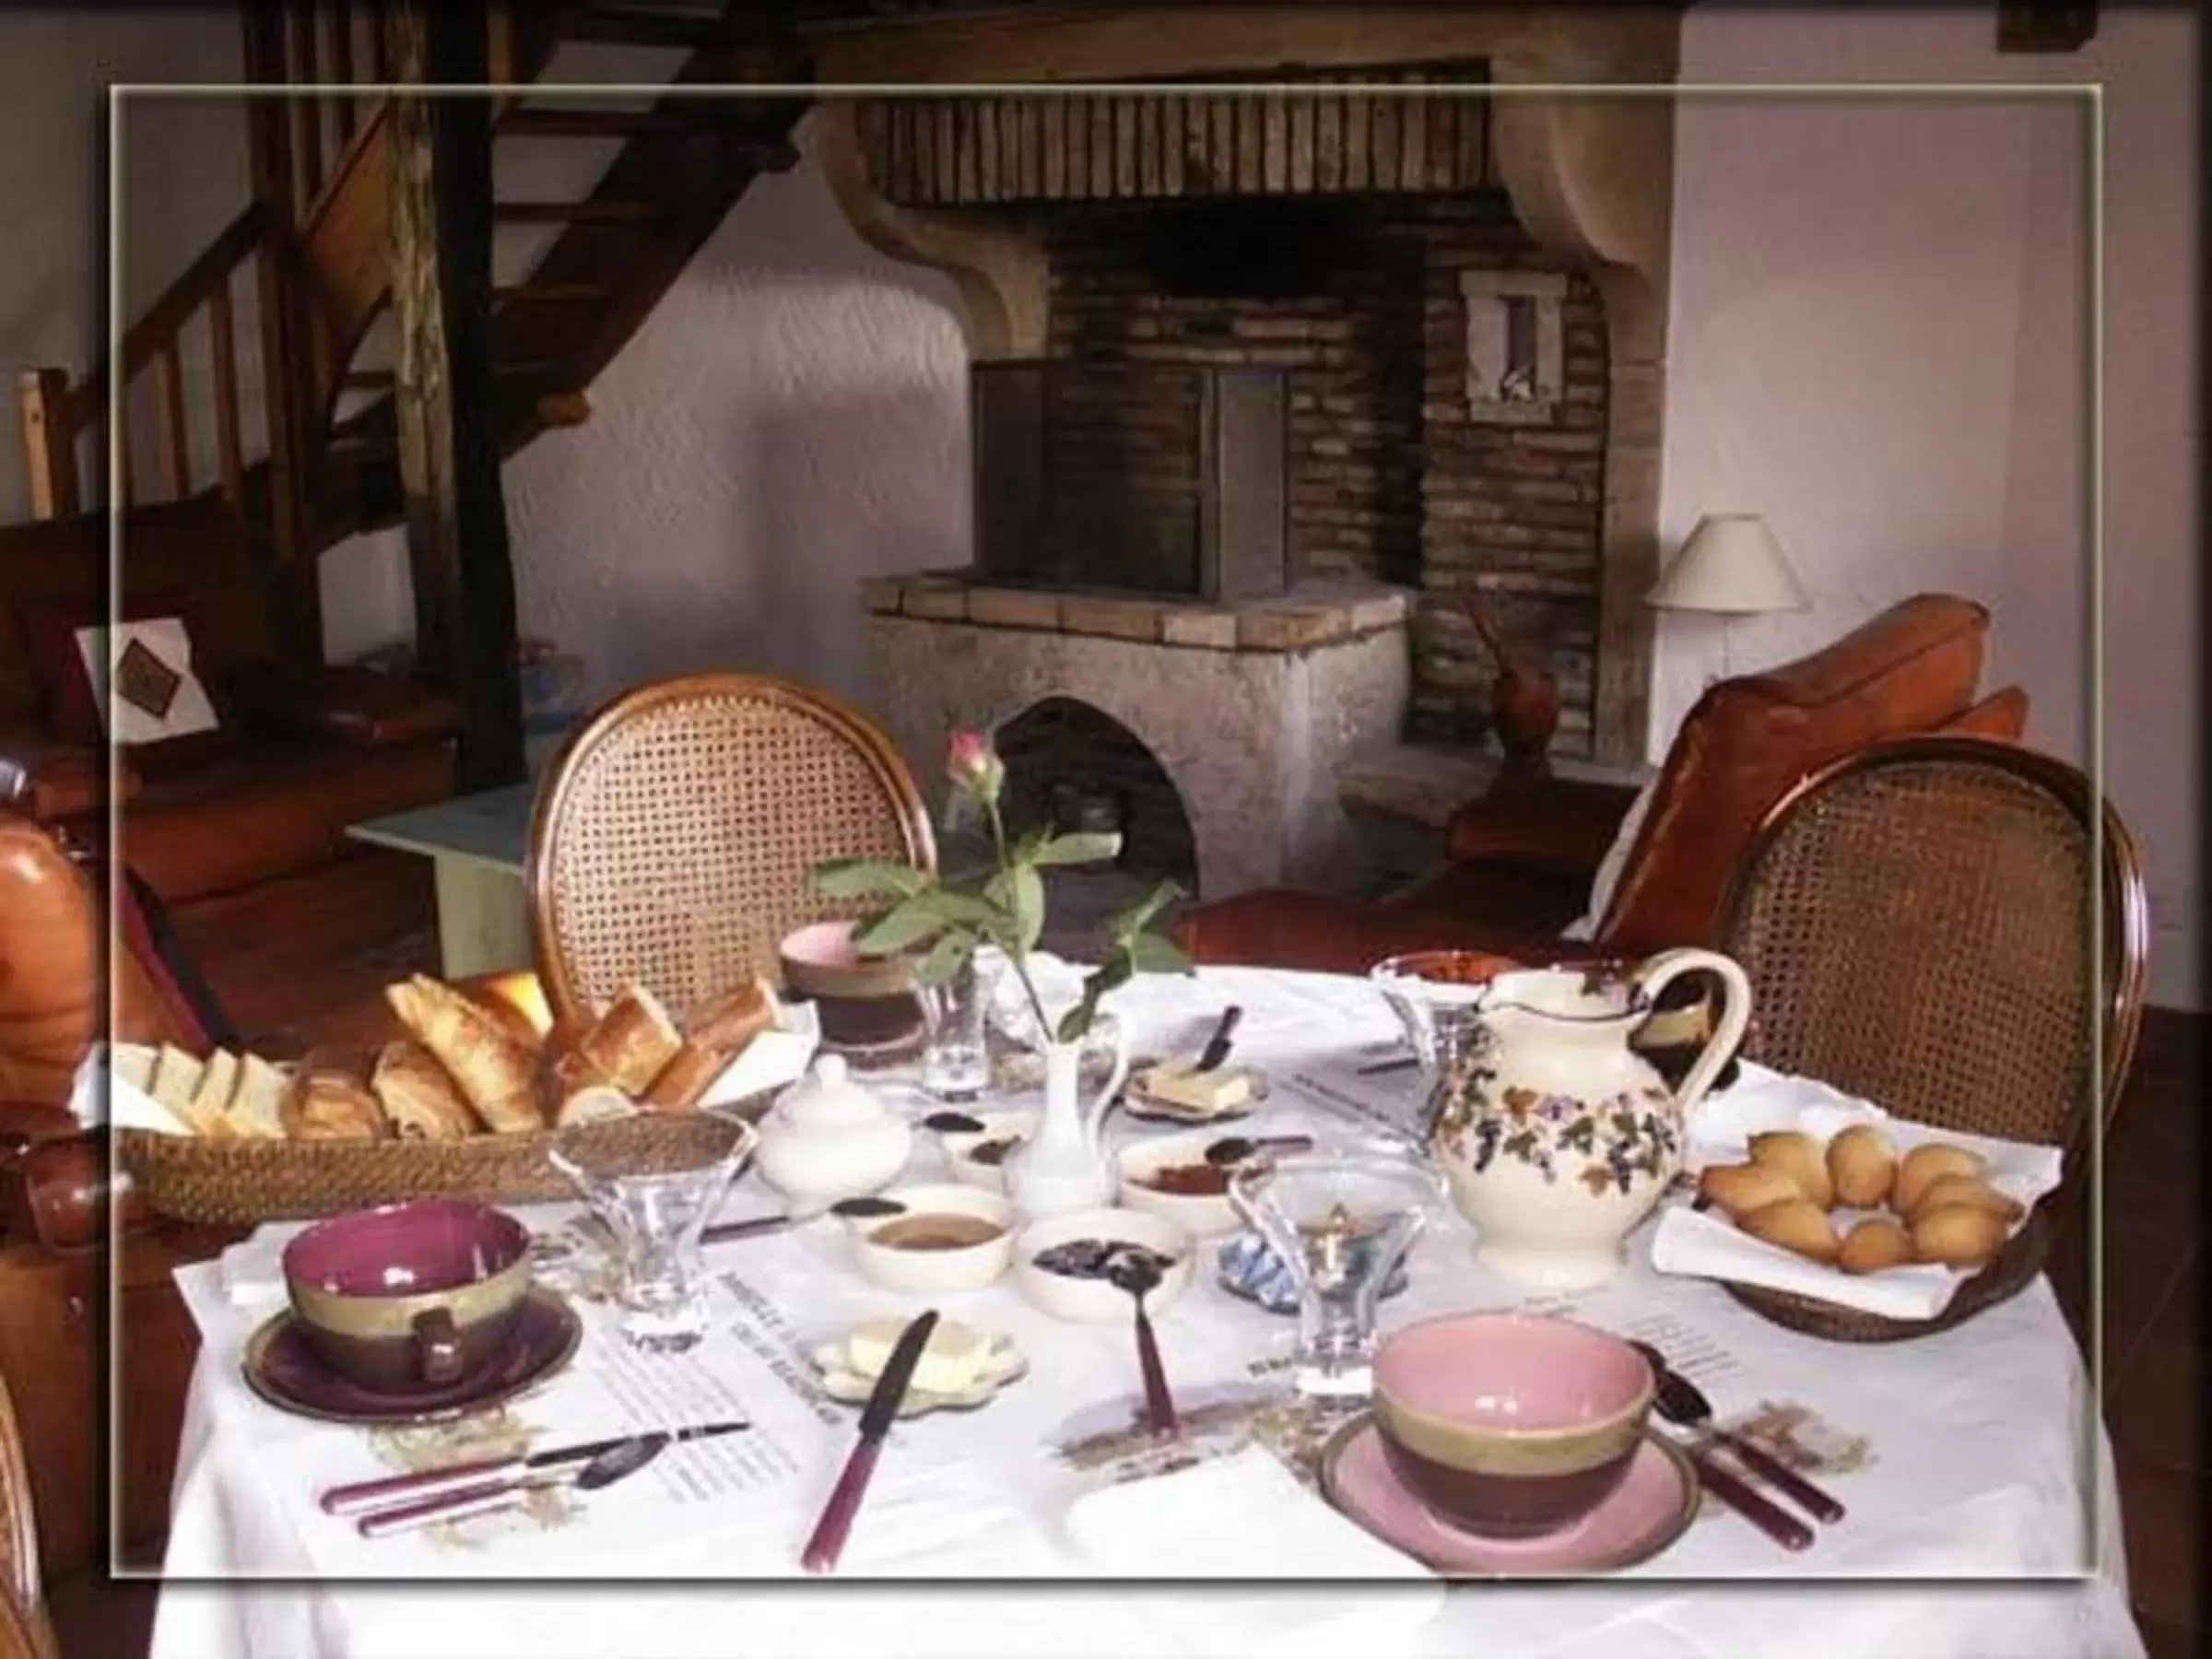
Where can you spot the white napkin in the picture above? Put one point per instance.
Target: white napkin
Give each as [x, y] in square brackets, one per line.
[1705, 1245]
[96, 1096]
[253, 1269]
[1246, 1516]
[772, 1060]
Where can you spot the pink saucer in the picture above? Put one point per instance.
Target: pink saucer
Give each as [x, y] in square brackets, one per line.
[1652, 1507]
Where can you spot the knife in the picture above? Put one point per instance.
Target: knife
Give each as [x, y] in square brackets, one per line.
[1216, 1049]
[363, 1495]
[828, 1541]
[619, 1461]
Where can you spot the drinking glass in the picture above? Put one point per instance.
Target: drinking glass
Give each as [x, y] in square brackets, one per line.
[655, 1221]
[956, 1060]
[1342, 1221]
[1437, 1012]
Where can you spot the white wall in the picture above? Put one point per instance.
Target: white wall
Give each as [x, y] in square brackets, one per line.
[792, 417]
[1876, 343]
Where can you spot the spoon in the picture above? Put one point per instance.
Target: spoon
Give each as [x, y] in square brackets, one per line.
[1235, 1148]
[1137, 1271]
[619, 1461]
[848, 1209]
[1683, 1403]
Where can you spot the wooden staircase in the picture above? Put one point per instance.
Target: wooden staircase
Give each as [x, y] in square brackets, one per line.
[294, 420]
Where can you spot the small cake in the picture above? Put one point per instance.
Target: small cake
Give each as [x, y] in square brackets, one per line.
[1800, 1157]
[1862, 1166]
[1873, 1245]
[1797, 1225]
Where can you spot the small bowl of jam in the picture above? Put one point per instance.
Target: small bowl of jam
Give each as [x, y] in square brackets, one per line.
[942, 1238]
[1064, 1264]
[1169, 1176]
[977, 1158]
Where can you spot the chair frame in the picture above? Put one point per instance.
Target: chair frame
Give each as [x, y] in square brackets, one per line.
[874, 746]
[2123, 915]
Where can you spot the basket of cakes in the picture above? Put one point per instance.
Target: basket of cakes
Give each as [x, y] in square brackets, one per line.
[465, 1103]
[1829, 1215]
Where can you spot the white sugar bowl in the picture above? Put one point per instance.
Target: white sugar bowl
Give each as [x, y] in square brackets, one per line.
[827, 1138]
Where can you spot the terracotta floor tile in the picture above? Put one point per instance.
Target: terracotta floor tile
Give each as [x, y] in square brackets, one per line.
[2161, 1512]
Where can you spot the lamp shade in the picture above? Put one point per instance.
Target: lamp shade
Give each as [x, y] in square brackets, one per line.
[1733, 565]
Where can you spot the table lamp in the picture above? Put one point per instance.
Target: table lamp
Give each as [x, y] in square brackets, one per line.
[1730, 566]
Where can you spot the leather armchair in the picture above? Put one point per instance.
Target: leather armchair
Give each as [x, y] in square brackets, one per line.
[1522, 858]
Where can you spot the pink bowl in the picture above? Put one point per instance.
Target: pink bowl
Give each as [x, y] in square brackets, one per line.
[1510, 1424]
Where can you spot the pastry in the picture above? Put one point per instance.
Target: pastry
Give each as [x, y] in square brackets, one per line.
[1969, 1190]
[1798, 1156]
[631, 1042]
[496, 1075]
[687, 1077]
[1741, 1188]
[596, 1105]
[175, 1081]
[1181, 1085]
[253, 1112]
[1957, 1235]
[327, 1100]
[729, 1023]
[1862, 1165]
[1920, 1167]
[510, 1019]
[1795, 1224]
[417, 1096]
[1875, 1243]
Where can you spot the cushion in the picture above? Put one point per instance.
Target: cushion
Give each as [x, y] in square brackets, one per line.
[195, 722]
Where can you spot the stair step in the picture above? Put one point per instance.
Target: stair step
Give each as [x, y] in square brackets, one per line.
[549, 293]
[630, 26]
[593, 212]
[559, 122]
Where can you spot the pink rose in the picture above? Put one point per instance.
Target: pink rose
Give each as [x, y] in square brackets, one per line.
[973, 764]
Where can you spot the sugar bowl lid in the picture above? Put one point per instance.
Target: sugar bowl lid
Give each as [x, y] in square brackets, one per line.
[828, 1098]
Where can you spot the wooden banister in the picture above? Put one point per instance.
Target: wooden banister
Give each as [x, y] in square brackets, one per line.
[50, 444]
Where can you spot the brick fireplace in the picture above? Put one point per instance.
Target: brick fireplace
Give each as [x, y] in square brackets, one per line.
[1264, 383]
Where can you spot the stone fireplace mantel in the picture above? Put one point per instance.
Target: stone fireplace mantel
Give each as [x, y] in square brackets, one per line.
[1253, 711]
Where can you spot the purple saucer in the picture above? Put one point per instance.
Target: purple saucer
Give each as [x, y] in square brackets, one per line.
[283, 1370]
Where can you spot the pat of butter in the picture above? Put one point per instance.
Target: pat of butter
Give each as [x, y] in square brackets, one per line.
[956, 1357]
[1180, 1083]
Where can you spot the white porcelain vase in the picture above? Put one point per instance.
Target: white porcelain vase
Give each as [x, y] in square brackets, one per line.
[1062, 1167]
[1556, 1137]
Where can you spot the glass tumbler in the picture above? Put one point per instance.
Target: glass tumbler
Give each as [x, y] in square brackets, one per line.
[955, 1059]
[656, 1220]
[1342, 1221]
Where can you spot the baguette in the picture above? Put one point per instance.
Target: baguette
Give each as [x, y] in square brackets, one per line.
[731, 1021]
[209, 1109]
[175, 1081]
[496, 1075]
[687, 1077]
[132, 1063]
[252, 1110]
[632, 1042]
[417, 1096]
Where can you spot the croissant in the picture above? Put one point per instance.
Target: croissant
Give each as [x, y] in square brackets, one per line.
[496, 1075]
[417, 1096]
[687, 1076]
[631, 1042]
[1798, 1156]
[325, 1099]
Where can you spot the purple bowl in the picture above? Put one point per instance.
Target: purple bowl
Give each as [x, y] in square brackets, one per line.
[409, 1297]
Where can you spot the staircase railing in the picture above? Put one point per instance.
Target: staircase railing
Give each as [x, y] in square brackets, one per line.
[60, 418]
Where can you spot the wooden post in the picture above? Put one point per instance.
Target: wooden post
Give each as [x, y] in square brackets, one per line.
[50, 444]
[287, 566]
[447, 389]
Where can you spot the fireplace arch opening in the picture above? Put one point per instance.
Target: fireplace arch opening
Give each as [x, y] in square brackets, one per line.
[1071, 766]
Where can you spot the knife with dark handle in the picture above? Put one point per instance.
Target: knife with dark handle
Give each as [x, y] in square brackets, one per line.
[1777, 1523]
[364, 1495]
[828, 1541]
[1216, 1053]
[619, 1461]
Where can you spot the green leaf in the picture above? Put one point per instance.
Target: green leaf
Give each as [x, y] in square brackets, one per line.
[1152, 954]
[1138, 916]
[1075, 850]
[945, 957]
[1018, 893]
[868, 878]
[899, 928]
[956, 909]
[1115, 972]
[1027, 850]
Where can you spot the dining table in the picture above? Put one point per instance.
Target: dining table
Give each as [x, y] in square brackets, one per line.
[1973, 1462]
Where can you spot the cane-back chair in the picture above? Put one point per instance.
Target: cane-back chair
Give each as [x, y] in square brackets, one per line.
[673, 839]
[1916, 924]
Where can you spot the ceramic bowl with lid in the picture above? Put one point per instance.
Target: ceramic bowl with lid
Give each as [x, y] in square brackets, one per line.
[829, 1136]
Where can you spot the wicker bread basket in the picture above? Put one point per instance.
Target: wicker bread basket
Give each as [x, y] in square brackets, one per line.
[245, 1182]
[2014, 1270]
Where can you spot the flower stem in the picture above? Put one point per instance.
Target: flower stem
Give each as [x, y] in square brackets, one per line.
[1015, 953]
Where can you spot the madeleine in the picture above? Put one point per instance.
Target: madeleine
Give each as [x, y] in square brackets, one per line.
[1862, 1164]
[1798, 1156]
[1796, 1224]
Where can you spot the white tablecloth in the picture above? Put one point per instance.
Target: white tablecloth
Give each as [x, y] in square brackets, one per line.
[1977, 1457]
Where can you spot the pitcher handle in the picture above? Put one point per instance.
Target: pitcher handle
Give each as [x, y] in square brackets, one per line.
[1094, 1119]
[1728, 1030]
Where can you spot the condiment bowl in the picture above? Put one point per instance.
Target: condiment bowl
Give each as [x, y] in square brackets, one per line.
[1100, 1301]
[1202, 1215]
[926, 1271]
[1509, 1425]
[961, 1146]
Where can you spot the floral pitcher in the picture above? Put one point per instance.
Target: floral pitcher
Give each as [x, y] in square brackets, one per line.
[1556, 1136]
